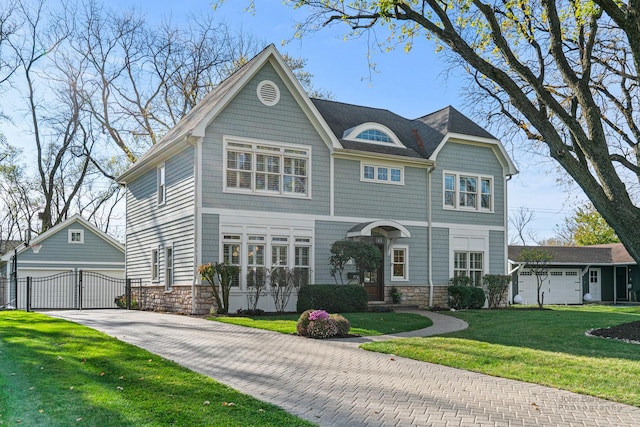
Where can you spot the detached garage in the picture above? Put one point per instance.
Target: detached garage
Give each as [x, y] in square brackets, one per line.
[70, 247]
[577, 274]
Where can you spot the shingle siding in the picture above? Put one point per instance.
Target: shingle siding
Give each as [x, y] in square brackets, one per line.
[497, 252]
[354, 197]
[246, 117]
[440, 244]
[210, 232]
[472, 159]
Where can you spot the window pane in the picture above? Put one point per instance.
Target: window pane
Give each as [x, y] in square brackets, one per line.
[396, 175]
[382, 174]
[244, 180]
[450, 182]
[369, 172]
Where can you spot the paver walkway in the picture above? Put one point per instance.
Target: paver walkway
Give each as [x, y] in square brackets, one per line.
[335, 383]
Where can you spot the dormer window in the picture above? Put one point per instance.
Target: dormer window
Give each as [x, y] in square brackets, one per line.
[373, 133]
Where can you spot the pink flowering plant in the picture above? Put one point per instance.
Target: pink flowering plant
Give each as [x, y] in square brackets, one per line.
[318, 315]
[320, 324]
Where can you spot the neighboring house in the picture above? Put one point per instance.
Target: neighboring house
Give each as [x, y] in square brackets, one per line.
[72, 245]
[261, 176]
[607, 273]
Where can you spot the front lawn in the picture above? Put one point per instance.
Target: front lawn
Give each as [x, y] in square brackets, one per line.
[58, 373]
[365, 324]
[547, 347]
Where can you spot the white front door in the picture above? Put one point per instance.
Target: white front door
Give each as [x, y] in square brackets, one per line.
[595, 284]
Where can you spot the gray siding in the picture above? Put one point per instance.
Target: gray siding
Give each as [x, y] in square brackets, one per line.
[285, 122]
[326, 233]
[57, 249]
[150, 226]
[468, 159]
[497, 252]
[377, 200]
[210, 227]
[440, 242]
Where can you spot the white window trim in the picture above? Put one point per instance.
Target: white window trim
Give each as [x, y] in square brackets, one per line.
[254, 150]
[375, 173]
[169, 283]
[161, 184]
[268, 232]
[456, 197]
[351, 134]
[71, 232]
[405, 248]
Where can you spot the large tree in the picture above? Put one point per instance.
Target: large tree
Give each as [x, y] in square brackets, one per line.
[563, 72]
[586, 227]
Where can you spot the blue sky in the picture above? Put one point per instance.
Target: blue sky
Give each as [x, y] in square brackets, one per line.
[410, 84]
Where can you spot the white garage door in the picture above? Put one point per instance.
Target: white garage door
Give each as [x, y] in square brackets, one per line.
[562, 286]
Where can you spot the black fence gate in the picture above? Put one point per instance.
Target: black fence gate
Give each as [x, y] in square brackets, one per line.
[71, 290]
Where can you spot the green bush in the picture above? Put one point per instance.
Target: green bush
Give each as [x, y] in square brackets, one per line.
[461, 297]
[333, 298]
[496, 285]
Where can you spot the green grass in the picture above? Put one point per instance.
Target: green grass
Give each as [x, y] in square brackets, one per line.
[365, 324]
[547, 347]
[57, 373]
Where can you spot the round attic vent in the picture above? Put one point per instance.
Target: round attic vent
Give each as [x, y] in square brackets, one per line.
[268, 93]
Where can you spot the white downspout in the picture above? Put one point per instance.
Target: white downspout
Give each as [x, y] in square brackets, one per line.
[197, 233]
[429, 235]
[506, 237]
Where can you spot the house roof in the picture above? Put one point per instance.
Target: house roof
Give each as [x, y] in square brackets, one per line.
[419, 139]
[614, 253]
[422, 137]
[450, 120]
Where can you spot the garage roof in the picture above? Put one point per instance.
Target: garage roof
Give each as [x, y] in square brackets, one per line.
[614, 253]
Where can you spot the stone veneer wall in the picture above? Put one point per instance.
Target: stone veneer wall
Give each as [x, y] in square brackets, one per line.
[177, 300]
[419, 295]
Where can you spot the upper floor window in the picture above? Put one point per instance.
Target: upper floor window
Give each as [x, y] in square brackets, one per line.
[373, 133]
[76, 236]
[468, 192]
[162, 189]
[382, 173]
[267, 169]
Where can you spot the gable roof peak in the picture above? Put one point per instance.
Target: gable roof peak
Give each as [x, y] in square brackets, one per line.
[449, 120]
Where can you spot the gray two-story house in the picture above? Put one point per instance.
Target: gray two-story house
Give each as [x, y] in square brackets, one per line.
[261, 176]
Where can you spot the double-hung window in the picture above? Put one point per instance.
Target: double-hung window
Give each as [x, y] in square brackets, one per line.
[231, 249]
[256, 258]
[468, 192]
[168, 267]
[399, 264]
[469, 264]
[267, 169]
[279, 260]
[155, 265]
[161, 185]
[302, 265]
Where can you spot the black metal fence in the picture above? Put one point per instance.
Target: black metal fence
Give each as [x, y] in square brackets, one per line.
[71, 290]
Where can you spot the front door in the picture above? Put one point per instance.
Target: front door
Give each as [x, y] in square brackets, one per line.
[374, 280]
[621, 284]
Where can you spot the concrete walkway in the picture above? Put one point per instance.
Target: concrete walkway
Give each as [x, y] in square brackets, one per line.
[335, 383]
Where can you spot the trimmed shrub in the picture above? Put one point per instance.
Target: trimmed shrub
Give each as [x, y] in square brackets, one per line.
[342, 323]
[461, 297]
[496, 285]
[333, 298]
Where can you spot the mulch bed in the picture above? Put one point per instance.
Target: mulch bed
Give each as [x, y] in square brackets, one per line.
[624, 332]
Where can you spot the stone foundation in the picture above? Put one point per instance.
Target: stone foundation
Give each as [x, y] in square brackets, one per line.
[419, 295]
[177, 300]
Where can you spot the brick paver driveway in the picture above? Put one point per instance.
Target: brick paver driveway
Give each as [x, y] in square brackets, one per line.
[334, 383]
